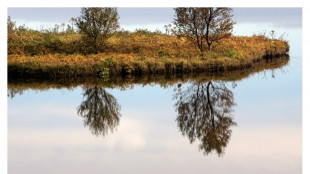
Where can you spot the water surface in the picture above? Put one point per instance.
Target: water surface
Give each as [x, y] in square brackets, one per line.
[246, 121]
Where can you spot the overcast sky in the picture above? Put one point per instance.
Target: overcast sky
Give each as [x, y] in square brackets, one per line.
[153, 18]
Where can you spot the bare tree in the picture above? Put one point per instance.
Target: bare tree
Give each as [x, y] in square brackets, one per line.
[219, 24]
[11, 25]
[167, 28]
[72, 20]
[97, 24]
[204, 24]
[189, 21]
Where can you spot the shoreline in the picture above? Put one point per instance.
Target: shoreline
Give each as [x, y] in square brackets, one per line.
[168, 55]
[180, 66]
[232, 75]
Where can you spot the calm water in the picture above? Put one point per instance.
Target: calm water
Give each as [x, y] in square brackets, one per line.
[239, 122]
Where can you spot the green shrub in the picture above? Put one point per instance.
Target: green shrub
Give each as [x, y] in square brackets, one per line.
[231, 53]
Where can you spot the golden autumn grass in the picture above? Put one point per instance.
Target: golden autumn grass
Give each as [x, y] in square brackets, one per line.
[134, 53]
[18, 85]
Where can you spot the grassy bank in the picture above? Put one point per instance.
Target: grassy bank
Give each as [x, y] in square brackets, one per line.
[18, 85]
[37, 54]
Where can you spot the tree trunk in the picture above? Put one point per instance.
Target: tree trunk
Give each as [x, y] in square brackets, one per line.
[209, 47]
[210, 105]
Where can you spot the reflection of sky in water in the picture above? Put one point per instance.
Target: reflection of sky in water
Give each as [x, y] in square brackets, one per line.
[46, 135]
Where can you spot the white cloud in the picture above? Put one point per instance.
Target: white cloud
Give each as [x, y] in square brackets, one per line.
[139, 146]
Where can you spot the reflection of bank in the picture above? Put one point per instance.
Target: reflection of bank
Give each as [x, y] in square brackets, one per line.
[205, 114]
[100, 110]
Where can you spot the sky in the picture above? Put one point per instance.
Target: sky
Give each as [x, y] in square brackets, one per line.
[154, 18]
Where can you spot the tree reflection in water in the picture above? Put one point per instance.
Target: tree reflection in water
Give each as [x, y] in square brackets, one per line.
[14, 91]
[100, 110]
[205, 113]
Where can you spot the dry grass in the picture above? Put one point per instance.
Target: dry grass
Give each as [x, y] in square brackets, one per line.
[137, 53]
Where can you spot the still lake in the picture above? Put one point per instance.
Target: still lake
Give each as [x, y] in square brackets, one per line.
[241, 122]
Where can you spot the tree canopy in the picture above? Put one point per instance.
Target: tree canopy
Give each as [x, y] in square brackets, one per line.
[97, 24]
[204, 25]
